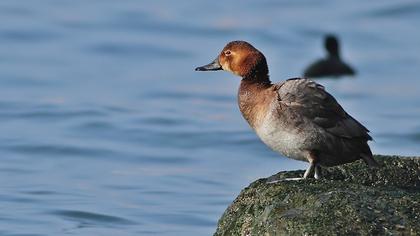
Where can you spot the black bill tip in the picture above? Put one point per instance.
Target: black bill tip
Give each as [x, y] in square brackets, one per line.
[200, 68]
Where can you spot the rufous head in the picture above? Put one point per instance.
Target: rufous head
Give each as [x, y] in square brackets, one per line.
[242, 59]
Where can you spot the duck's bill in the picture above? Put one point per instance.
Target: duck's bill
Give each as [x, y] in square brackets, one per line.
[214, 65]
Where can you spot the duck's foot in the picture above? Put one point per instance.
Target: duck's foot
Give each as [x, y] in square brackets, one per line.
[313, 170]
[293, 179]
[284, 180]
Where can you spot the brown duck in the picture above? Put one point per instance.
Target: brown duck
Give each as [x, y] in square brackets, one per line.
[297, 117]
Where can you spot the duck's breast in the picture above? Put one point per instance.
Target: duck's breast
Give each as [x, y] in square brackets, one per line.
[281, 135]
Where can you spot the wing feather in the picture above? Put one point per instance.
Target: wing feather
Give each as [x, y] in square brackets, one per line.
[311, 101]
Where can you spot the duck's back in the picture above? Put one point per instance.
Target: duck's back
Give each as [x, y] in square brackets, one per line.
[328, 67]
[310, 100]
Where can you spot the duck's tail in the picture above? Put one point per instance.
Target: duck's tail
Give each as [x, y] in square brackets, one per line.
[369, 160]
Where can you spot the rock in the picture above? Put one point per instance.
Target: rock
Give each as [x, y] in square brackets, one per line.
[351, 200]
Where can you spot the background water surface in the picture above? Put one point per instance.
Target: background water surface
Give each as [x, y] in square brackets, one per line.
[106, 129]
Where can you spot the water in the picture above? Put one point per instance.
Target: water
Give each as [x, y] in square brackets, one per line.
[106, 129]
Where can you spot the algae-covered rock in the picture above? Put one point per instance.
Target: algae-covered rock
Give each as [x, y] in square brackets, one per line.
[350, 200]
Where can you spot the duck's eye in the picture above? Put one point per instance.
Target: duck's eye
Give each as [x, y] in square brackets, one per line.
[227, 53]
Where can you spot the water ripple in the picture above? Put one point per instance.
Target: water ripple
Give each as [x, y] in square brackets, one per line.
[400, 9]
[138, 50]
[20, 200]
[39, 192]
[19, 171]
[196, 139]
[48, 115]
[4, 233]
[185, 219]
[186, 95]
[58, 150]
[91, 218]
[32, 35]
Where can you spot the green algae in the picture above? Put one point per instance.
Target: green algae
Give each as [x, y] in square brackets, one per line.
[350, 200]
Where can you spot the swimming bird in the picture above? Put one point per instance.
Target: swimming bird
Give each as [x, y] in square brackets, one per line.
[330, 66]
[297, 117]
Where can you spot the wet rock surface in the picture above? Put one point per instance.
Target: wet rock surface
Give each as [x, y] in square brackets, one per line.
[350, 200]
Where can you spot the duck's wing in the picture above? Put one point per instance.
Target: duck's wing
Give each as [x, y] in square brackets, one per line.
[318, 68]
[348, 70]
[309, 99]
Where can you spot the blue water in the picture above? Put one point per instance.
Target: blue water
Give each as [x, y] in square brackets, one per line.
[106, 129]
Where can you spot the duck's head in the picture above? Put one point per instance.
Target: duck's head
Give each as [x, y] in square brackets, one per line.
[331, 45]
[242, 59]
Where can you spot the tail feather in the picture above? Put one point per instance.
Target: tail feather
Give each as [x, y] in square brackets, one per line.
[369, 160]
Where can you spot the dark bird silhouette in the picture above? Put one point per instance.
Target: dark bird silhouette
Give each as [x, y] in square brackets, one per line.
[296, 117]
[330, 66]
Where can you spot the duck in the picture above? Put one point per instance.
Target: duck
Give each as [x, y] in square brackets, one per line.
[297, 117]
[332, 65]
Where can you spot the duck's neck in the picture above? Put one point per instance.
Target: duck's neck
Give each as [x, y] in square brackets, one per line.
[253, 96]
[334, 55]
[257, 76]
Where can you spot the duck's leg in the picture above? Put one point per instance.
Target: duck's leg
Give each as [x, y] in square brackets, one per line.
[313, 169]
[312, 166]
[318, 172]
[310, 170]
